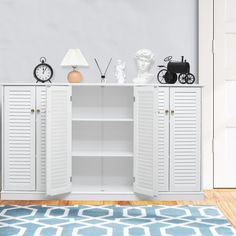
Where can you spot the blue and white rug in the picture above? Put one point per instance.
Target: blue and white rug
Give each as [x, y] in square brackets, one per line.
[113, 221]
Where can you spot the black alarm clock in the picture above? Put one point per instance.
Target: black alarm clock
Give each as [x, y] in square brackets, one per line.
[43, 72]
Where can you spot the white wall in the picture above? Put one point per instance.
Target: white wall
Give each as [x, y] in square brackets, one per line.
[101, 28]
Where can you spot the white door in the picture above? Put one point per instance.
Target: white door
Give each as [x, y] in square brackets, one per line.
[225, 94]
[58, 155]
[185, 139]
[163, 138]
[41, 137]
[19, 138]
[145, 140]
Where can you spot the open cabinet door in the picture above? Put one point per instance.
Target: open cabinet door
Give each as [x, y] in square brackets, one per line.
[59, 167]
[145, 140]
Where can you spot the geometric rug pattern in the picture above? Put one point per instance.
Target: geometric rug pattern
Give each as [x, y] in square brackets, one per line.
[107, 220]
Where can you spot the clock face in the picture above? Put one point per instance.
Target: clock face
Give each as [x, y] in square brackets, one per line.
[43, 72]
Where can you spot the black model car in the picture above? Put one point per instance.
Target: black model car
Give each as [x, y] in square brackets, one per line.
[168, 75]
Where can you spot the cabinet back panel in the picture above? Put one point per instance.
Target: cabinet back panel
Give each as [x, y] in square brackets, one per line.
[117, 173]
[102, 102]
[86, 174]
[86, 102]
[102, 174]
[117, 137]
[86, 137]
[102, 137]
[118, 102]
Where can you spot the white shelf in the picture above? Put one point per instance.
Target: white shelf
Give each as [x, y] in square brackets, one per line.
[103, 119]
[102, 154]
[98, 189]
[86, 188]
[117, 188]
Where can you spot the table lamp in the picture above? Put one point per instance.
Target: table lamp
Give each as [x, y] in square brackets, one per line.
[74, 58]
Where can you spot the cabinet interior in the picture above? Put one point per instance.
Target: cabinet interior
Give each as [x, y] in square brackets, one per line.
[102, 103]
[102, 139]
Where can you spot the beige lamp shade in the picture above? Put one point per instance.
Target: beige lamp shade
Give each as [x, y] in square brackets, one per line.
[74, 58]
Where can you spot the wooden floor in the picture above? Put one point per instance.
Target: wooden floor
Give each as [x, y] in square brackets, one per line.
[224, 199]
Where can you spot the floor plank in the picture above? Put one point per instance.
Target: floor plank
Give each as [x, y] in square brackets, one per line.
[224, 199]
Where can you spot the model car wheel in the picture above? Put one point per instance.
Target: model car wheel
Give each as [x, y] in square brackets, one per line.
[190, 78]
[161, 76]
[182, 78]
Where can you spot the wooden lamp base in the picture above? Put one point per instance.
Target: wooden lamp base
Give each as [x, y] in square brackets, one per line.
[74, 77]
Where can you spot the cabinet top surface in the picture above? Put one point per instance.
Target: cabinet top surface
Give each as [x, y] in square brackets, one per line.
[101, 84]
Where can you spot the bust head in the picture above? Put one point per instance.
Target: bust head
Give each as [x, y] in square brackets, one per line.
[144, 59]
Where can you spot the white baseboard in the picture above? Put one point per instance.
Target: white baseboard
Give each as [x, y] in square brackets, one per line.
[121, 196]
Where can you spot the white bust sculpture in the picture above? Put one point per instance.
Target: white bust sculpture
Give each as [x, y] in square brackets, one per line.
[120, 71]
[144, 60]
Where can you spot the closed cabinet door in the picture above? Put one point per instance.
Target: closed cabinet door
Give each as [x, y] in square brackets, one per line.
[41, 137]
[59, 135]
[145, 141]
[185, 133]
[163, 138]
[19, 138]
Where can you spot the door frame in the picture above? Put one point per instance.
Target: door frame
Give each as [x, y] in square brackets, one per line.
[206, 77]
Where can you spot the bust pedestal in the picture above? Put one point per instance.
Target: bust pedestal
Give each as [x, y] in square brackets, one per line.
[144, 79]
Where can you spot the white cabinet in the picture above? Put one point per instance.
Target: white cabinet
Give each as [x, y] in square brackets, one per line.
[117, 142]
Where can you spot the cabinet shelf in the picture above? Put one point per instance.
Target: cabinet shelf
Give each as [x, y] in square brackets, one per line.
[107, 189]
[103, 119]
[102, 154]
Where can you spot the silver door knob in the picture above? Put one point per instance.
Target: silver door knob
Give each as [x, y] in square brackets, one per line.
[172, 112]
[38, 110]
[32, 110]
[166, 112]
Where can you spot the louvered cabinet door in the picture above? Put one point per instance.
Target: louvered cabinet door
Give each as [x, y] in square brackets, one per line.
[41, 137]
[58, 154]
[19, 138]
[185, 134]
[145, 140]
[163, 139]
